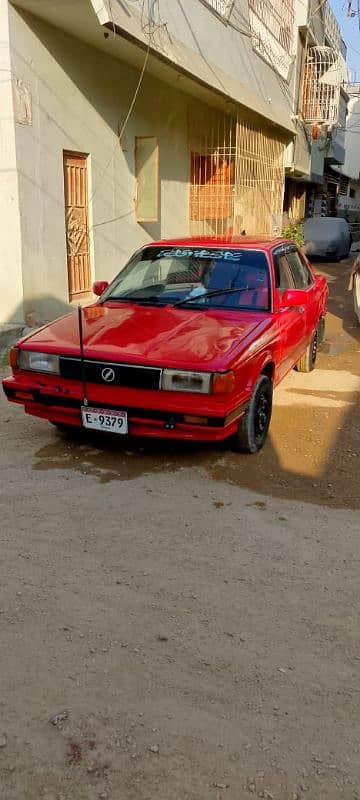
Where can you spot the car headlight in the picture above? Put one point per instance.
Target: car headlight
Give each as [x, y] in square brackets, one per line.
[38, 362]
[179, 381]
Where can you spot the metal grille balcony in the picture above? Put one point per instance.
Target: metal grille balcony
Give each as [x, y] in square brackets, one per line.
[332, 28]
[278, 17]
[222, 7]
[321, 88]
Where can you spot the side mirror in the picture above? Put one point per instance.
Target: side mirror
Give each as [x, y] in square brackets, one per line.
[99, 287]
[294, 298]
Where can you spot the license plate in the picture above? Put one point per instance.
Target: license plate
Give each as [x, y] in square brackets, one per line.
[104, 419]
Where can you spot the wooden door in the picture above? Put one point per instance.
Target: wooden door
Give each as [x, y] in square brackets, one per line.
[77, 224]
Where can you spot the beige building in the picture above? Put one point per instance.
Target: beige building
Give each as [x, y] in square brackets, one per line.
[319, 113]
[349, 192]
[127, 121]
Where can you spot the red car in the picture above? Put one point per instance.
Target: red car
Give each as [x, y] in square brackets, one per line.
[187, 342]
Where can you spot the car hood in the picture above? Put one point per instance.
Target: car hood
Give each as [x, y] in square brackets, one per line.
[167, 336]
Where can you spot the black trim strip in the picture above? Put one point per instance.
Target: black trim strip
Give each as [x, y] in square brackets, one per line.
[144, 413]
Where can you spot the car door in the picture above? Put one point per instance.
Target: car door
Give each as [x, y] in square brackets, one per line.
[304, 280]
[291, 321]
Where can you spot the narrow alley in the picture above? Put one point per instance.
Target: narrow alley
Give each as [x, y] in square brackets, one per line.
[182, 622]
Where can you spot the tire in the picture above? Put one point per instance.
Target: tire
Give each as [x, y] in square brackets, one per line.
[254, 425]
[321, 331]
[307, 362]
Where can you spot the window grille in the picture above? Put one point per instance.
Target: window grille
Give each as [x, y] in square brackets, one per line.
[278, 18]
[236, 175]
[332, 29]
[321, 88]
[222, 7]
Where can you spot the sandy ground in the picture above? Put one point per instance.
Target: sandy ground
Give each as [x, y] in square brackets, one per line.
[191, 615]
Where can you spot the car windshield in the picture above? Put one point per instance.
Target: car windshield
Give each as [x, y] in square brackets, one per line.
[194, 277]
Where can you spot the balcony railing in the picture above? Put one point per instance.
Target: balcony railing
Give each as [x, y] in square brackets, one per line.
[278, 17]
[222, 7]
[332, 29]
[321, 88]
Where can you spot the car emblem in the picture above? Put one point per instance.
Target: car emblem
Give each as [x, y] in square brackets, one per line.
[108, 374]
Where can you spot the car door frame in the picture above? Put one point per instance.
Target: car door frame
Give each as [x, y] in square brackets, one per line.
[291, 322]
[313, 293]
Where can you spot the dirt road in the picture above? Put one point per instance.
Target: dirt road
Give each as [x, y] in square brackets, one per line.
[191, 615]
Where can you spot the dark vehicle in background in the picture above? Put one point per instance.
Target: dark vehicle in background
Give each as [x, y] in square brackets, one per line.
[327, 238]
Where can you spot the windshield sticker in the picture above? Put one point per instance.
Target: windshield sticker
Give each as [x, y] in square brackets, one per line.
[225, 255]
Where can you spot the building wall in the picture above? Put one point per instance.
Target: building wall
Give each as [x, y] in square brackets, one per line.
[10, 239]
[298, 154]
[351, 166]
[294, 201]
[350, 203]
[79, 97]
[337, 149]
[316, 149]
[191, 35]
[74, 98]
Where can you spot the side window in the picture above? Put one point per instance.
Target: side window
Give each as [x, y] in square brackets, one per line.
[301, 274]
[310, 277]
[283, 276]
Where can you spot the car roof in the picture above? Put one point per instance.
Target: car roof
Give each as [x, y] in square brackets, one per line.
[246, 242]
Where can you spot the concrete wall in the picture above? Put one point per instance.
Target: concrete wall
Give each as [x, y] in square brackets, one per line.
[72, 96]
[79, 97]
[298, 152]
[337, 145]
[302, 159]
[349, 204]
[191, 35]
[351, 166]
[10, 240]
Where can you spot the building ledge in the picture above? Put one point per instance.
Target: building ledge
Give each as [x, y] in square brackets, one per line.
[122, 34]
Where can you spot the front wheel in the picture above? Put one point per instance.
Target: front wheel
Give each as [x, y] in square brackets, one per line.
[254, 425]
[307, 362]
[321, 331]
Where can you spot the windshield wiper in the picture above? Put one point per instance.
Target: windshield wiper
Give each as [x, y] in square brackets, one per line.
[212, 293]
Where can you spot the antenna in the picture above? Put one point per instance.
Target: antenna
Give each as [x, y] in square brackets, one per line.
[82, 362]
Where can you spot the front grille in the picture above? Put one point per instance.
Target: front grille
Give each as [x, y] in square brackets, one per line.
[132, 377]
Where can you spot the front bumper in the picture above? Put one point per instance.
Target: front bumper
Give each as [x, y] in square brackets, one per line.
[151, 414]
